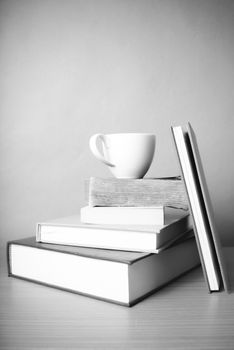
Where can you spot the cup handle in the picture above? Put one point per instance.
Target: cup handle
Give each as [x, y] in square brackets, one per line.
[94, 149]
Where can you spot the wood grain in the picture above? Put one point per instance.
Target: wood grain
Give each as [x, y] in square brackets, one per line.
[180, 316]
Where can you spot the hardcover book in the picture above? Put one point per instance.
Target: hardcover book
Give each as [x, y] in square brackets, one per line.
[211, 254]
[115, 276]
[129, 215]
[145, 238]
[146, 192]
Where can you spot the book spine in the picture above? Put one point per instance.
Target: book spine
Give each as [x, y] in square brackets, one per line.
[8, 258]
[136, 193]
[38, 232]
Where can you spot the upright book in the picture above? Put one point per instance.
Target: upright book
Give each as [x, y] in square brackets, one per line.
[146, 192]
[214, 265]
[114, 276]
[144, 238]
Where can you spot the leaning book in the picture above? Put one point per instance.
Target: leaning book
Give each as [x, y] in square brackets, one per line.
[146, 238]
[208, 241]
[115, 276]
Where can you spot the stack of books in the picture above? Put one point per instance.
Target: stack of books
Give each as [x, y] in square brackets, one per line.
[132, 238]
[116, 253]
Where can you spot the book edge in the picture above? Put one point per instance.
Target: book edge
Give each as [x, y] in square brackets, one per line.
[164, 285]
[209, 210]
[69, 290]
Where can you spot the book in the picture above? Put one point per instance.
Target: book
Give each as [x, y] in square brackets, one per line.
[210, 250]
[116, 276]
[129, 215]
[112, 192]
[145, 238]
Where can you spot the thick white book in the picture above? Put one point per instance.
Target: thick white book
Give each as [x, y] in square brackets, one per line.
[212, 259]
[115, 276]
[129, 215]
[146, 238]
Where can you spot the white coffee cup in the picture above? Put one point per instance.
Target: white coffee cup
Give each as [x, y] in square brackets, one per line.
[128, 155]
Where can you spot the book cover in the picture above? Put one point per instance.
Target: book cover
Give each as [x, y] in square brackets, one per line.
[115, 276]
[147, 192]
[213, 263]
[148, 238]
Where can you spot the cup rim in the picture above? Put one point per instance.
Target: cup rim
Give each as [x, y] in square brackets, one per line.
[131, 133]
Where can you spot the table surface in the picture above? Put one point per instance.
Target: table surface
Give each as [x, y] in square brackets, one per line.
[182, 315]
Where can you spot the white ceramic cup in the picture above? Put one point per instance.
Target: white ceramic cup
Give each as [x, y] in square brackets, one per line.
[128, 155]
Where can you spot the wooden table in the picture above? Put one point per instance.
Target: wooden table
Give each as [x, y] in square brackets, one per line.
[182, 315]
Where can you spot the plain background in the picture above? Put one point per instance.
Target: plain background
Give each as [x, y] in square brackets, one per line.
[69, 69]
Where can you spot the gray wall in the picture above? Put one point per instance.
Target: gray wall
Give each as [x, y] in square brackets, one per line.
[73, 68]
